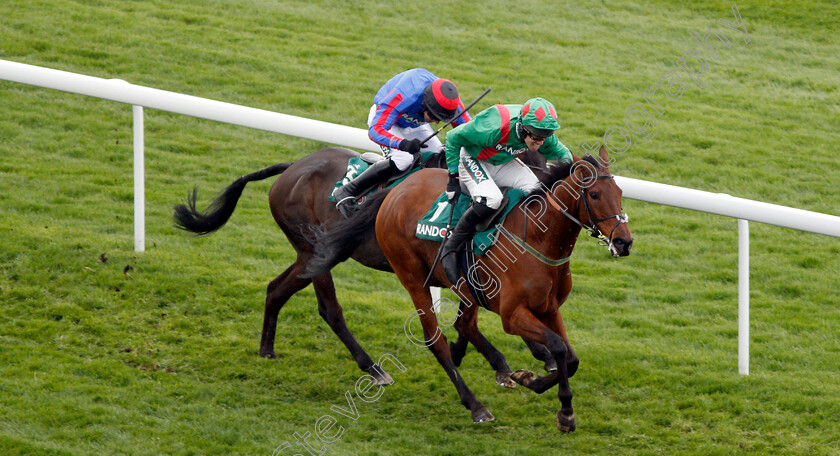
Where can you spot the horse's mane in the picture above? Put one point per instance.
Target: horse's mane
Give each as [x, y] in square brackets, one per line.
[557, 172]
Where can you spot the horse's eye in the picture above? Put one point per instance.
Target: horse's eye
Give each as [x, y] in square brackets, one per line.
[594, 195]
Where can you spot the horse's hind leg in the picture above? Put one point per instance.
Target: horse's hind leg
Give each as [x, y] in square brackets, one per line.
[467, 326]
[279, 291]
[331, 311]
[458, 349]
[541, 353]
[436, 342]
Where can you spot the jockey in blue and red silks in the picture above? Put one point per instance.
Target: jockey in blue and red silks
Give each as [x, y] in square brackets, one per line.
[398, 122]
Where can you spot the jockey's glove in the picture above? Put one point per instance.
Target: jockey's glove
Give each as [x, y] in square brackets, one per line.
[411, 146]
[453, 188]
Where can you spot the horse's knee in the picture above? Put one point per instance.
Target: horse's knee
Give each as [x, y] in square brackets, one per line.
[272, 286]
[572, 366]
[273, 304]
[557, 347]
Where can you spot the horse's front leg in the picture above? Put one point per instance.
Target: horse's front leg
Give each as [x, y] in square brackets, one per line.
[572, 360]
[277, 294]
[564, 286]
[565, 417]
[522, 322]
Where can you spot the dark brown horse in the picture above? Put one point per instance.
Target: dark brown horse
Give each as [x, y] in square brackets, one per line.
[299, 204]
[531, 279]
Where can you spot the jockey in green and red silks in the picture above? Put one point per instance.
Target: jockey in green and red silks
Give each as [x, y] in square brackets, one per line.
[483, 155]
[398, 122]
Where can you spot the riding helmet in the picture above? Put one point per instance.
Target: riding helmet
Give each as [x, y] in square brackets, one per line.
[441, 99]
[539, 117]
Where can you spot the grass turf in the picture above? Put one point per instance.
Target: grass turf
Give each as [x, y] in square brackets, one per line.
[155, 353]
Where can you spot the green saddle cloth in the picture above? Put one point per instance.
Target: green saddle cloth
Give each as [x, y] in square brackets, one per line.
[356, 166]
[433, 225]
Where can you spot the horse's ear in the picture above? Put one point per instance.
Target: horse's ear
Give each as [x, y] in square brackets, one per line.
[605, 159]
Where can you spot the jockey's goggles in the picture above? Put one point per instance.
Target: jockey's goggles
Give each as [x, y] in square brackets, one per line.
[538, 134]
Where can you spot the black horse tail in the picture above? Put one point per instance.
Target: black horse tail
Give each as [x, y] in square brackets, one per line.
[335, 244]
[217, 214]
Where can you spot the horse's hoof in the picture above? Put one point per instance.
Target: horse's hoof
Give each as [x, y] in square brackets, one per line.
[482, 415]
[379, 376]
[268, 355]
[523, 377]
[565, 423]
[503, 379]
[550, 365]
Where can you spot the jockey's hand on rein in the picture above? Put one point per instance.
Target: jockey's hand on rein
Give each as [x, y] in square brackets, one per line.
[453, 188]
[411, 146]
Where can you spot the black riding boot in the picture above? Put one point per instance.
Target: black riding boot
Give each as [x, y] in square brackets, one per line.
[345, 196]
[464, 230]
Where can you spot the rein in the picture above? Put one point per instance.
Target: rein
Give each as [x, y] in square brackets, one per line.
[592, 230]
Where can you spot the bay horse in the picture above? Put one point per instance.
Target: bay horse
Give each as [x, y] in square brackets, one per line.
[530, 286]
[299, 204]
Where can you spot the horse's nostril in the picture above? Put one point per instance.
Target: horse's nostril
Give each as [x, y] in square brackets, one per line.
[619, 242]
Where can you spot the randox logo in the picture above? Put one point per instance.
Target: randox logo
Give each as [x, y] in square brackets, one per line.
[477, 172]
[430, 230]
[510, 150]
[413, 120]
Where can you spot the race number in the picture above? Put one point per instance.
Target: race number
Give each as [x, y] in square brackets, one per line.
[441, 206]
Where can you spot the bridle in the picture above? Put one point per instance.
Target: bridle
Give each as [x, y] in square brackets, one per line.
[593, 229]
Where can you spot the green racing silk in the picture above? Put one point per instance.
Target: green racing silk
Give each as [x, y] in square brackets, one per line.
[493, 136]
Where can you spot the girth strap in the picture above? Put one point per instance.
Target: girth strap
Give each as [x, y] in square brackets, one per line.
[468, 262]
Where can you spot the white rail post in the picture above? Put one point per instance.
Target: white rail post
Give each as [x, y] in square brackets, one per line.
[139, 184]
[743, 297]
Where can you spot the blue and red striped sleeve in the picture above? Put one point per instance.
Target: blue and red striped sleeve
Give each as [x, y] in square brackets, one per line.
[387, 113]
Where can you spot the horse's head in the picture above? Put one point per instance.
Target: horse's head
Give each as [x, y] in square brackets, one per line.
[600, 208]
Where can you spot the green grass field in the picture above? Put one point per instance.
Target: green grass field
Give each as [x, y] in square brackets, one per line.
[104, 351]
